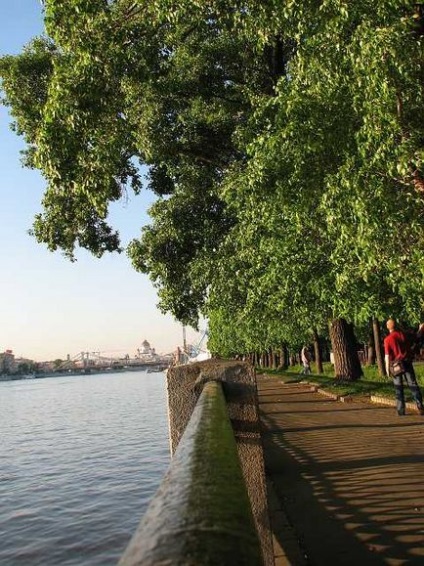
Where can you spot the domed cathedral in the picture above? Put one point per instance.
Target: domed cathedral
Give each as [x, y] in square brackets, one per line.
[146, 350]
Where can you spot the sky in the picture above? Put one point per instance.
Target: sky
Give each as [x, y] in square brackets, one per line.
[49, 306]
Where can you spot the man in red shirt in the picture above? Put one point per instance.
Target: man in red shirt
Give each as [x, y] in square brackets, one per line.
[396, 348]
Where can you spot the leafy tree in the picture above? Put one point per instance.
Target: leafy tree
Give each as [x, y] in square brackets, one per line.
[125, 84]
[284, 141]
[321, 154]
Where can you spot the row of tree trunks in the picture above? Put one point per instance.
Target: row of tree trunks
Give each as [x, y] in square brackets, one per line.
[347, 366]
[281, 359]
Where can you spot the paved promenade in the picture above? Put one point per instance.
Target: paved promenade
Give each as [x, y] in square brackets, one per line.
[346, 479]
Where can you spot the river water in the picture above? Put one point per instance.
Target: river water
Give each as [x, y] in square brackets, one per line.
[80, 458]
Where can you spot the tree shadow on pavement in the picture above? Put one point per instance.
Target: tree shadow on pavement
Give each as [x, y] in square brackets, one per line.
[350, 481]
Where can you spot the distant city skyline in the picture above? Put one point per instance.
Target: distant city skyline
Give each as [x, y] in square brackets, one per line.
[51, 307]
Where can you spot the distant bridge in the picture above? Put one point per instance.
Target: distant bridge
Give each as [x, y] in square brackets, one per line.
[87, 361]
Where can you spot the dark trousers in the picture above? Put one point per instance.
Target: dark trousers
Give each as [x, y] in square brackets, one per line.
[411, 380]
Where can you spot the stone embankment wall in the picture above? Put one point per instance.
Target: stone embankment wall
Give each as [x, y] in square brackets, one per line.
[185, 383]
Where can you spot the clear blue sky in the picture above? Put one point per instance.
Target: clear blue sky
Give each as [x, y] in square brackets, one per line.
[50, 307]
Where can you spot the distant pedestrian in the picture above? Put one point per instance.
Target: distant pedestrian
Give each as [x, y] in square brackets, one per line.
[305, 357]
[398, 359]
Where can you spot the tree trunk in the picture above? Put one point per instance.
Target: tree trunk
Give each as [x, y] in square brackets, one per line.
[317, 352]
[371, 346]
[346, 361]
[370, 353]
[272, 364]
[378, 347]
[276, 358]
[283, 357]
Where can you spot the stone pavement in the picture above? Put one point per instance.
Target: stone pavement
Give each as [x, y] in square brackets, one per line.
[346, 480]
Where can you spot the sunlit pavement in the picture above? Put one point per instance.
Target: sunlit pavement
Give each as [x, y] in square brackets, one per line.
[346, 479]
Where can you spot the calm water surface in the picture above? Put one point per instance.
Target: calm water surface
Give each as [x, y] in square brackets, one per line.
[80, 458]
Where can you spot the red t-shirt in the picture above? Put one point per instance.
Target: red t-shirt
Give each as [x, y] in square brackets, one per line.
[396, 346]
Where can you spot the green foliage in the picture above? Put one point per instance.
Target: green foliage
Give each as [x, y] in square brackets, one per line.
[329, 199]
[25, 81]
[284, 141]
[176, 248]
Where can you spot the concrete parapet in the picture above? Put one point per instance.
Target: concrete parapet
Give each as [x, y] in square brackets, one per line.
[239, 385]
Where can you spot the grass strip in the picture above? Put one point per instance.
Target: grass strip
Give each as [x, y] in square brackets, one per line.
[370, 384]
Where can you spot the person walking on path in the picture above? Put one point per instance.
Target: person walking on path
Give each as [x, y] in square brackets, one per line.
[397, 349]
[305, 357]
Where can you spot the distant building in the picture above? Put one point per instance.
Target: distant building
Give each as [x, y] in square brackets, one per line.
[145, 347]
[7, 362]
[146, 351]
